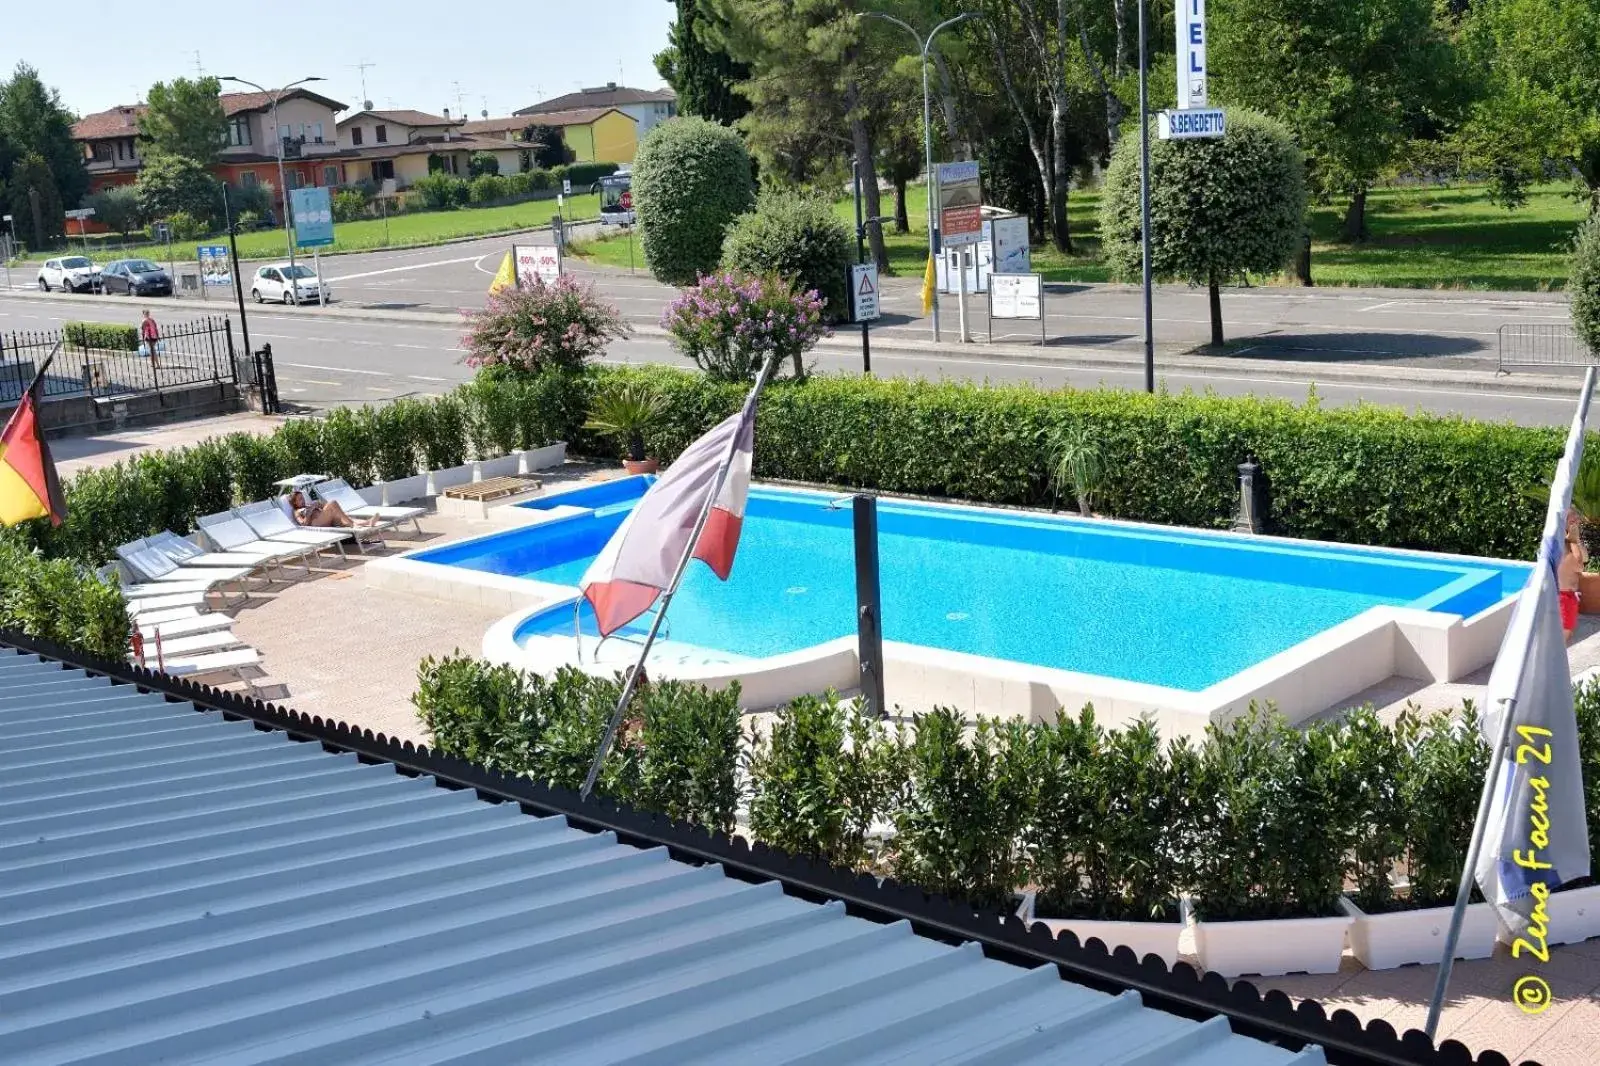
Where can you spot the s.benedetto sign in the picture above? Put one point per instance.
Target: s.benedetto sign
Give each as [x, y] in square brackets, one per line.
[1194, 117]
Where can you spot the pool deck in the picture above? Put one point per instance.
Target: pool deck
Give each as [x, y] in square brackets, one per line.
[336, 647]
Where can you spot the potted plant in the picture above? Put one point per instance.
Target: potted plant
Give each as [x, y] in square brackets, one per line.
[627, 412]
[1112, 825]
[1270, 860]
[1076, 464]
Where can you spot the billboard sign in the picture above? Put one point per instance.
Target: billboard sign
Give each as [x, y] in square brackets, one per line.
[313, 217]
[542, 261]
[1016, 296]
[960, 204]
[616, 200]
[214, 265]
[1009, 234]
[1191, 23]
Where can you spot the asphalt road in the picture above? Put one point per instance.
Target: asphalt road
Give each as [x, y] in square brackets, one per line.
[324, 359]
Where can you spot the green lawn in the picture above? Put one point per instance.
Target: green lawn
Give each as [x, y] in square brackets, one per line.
[403, 231]
[1422, 237]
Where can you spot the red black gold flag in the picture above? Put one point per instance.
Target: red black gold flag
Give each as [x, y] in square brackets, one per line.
[28, 485]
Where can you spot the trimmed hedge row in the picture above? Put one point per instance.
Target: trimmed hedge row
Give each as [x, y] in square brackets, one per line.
[1257, 820]
[1360, 475]
[106, 336]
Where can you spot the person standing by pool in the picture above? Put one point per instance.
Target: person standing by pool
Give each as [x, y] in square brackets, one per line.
[150, 334]
[1569, 573]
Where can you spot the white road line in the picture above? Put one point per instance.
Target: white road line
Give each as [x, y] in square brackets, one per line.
[409, 266]
[337, 370]
[424, 377]
[1377, 307]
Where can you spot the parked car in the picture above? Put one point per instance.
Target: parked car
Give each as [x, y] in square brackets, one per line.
[70, 273]
[282, 283]
[136, 277]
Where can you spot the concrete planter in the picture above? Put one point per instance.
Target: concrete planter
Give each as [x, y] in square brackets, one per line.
[550, 455]
[504, 466]
[1589, 593]
[1399, 938]
[399, 490]
[1271, 948]
[1574, 916]
[1145, 938]
[439, 480]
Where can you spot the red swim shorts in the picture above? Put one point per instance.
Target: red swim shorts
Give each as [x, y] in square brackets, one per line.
[1569, 610]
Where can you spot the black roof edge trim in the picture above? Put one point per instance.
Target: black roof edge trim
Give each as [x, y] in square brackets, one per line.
[1179, 990]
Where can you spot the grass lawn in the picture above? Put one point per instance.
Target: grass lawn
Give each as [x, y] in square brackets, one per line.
[403, 231]
[1426, 237]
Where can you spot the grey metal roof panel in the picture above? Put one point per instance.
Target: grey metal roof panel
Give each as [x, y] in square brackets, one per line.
[180, 888]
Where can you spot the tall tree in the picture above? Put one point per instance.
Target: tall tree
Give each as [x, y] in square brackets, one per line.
[35, 204]
[184, 118]
[1539, 63]
[1353, 78]
[699, 70]
[33, 122]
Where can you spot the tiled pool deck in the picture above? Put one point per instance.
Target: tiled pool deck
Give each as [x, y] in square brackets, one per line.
[333, 646]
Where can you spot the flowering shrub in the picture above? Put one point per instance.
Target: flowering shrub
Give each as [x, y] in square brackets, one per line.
[540, 327]
[730, 324]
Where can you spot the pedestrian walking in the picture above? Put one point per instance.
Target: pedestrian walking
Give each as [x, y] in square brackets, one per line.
[150, 334]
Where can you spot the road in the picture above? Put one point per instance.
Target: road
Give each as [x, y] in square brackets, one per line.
[325, 359]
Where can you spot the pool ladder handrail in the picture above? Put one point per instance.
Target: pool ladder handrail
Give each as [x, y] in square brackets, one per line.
[577, 630]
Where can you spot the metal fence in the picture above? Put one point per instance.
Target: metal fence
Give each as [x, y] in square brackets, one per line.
[1543, 344]
[190, 353]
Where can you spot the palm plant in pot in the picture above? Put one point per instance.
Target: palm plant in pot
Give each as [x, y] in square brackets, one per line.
[627, 412]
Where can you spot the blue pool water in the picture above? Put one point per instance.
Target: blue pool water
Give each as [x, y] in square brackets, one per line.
[1166, 607]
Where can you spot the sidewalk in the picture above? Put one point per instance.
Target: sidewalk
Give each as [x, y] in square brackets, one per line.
[73, 454]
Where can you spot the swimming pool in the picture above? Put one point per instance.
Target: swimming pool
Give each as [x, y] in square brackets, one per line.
[1179, 609]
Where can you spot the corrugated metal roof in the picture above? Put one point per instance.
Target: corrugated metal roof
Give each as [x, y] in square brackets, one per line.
[180, 888]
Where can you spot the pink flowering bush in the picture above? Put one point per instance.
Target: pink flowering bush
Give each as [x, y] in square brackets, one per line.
[541, 327]
[731, 323]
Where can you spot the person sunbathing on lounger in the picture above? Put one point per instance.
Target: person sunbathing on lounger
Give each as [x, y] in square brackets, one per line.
[321, 513]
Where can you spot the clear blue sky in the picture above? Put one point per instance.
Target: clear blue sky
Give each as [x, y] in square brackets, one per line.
[504, 54]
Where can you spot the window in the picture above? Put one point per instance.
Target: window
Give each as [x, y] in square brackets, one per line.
[100, 152]
[316, 133]
[383, 170]
[247, 179]
[355, 135]
[285, 133]
[380, 133]
[239, 131]
[297, 178]
[330, 175]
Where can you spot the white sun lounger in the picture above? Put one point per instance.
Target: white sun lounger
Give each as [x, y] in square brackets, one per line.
[231, 533]
[338, 490]
[139, 606]
[185, 625]
[164, 588]
[270, 523]
[233, 662]
[150, 565]
[188, 646]
[187, 553]
[172, 614]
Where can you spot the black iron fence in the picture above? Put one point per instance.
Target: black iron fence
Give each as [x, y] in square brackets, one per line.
[1543, 344]
[104, 363]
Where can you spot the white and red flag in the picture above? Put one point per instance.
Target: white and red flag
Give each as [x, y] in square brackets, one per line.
[639, 562]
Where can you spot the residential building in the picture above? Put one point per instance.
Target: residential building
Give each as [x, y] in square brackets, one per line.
[402, 146]
[647, 107]
[305, 124]
[593, 134]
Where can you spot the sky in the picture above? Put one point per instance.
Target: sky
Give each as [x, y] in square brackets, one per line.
[494, 55]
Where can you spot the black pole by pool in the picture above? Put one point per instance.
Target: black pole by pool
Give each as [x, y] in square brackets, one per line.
[869, 607]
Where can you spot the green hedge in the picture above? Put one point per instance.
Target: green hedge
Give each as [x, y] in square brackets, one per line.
[108, 336]
[1362, 475]
[1257, 820]
[60, 601]
[583, 175]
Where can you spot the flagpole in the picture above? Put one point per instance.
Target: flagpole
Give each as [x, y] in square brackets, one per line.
[631, 681]
[1497, 755]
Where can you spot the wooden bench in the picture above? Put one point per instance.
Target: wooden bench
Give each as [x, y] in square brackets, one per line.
[493, 488]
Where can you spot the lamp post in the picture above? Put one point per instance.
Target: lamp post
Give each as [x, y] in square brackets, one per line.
[283, 186]
[1144, 203]
[923, 47]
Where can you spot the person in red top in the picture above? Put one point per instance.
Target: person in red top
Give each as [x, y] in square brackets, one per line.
[150, 334]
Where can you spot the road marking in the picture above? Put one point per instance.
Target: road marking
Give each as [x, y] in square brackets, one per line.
[314, 381]
[337, 370]
[423, 377]
[409, 266]
[1377, 307]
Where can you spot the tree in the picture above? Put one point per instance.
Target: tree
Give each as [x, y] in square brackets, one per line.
[691, 179]
[702, 73]
[116, 208]
[1353, 78]
[549, 150]
[1218, 208]
[482, 163]
[171, 183]
[35, 203]
[1539, 64]
[33, 123]
[184, 118]
[800, 239]
[1583, 286]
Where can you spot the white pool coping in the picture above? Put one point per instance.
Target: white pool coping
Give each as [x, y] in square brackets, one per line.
[1302, 681]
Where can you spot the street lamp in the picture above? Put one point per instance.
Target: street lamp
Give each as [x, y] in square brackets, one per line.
[283, 187]
[924, 46]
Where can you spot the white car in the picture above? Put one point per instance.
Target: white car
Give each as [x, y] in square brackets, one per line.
[70, 273]
[282, 283]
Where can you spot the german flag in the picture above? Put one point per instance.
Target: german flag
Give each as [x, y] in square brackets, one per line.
[28, 485]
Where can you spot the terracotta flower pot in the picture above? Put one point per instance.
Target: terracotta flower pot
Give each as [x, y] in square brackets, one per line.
[641, 466]
[1589, 593]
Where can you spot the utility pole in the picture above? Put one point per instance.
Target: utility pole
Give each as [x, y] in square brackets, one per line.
[1144, 203]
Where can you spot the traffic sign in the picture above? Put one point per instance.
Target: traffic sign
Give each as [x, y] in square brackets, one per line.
[864, 292]
[1193, 124]
[566, 186]
[78, 213]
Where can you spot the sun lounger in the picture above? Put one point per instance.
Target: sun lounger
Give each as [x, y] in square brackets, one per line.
[187, 553]
[139, 606]
[173, 614]
[231, 533]
[338, 490]
[164, 588]
[149, 565]
[187, 647]
[185, 625]
[233, 662]
[271, 523]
